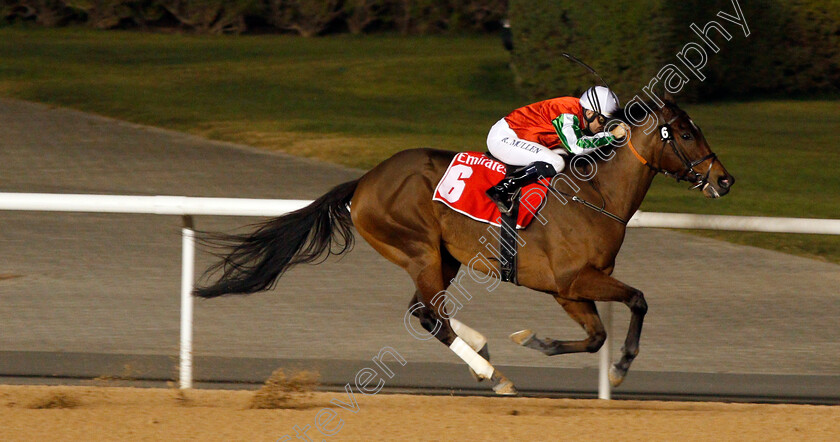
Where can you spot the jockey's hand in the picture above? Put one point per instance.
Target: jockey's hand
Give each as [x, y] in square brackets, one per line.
[620, 131]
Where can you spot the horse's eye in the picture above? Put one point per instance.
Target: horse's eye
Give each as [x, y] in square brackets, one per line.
[686, 136]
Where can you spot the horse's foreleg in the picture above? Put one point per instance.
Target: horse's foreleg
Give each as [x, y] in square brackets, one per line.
[595, 286]
[585, 314]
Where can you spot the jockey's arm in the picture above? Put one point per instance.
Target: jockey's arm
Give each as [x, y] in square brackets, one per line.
[568, 129]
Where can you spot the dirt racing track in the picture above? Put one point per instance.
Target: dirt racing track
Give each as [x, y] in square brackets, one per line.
[86, 296]
[107, 413]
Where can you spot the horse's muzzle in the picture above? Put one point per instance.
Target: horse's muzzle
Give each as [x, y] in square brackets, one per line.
[720, 187]
[725, 182]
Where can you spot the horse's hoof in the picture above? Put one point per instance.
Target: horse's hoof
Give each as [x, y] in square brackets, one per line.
[616, 376]
[523, 337]
[505, 388]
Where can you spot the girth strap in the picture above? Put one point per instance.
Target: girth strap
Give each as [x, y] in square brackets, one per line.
[508, 245]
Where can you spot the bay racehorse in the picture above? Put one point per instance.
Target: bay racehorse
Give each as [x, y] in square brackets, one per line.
[571, 257]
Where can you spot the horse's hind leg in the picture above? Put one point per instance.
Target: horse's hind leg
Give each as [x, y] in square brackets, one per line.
[433, 317]
[475, 340]
[411, 240]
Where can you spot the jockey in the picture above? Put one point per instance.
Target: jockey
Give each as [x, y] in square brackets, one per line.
[541, 134]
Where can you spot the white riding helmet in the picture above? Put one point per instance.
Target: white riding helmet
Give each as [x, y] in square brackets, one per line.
[601, 100]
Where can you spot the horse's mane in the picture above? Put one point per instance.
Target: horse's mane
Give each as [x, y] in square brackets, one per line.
[628, 115]
[631, 115]
[606, 151]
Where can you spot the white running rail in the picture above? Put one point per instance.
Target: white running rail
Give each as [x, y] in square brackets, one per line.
[187, 207]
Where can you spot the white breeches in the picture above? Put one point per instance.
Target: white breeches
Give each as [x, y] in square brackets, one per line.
[503, 143]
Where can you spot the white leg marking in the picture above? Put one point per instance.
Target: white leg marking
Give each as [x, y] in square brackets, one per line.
[473, 359]
[472, 337]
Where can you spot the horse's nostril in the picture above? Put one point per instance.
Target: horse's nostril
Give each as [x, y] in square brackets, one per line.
[726, 181]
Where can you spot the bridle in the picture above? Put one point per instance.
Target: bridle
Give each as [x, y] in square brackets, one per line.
[665, 132]
[689, 174]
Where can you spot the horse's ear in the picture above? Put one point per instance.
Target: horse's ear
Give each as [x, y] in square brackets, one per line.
[669, 97]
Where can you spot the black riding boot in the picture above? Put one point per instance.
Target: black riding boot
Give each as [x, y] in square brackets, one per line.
[504, 193]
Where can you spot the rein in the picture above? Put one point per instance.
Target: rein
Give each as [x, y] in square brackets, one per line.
[587, 204]
[600, 210]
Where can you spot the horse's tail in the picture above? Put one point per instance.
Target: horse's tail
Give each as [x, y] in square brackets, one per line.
[254, 262]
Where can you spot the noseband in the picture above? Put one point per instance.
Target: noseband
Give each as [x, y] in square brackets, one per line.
[689, 174]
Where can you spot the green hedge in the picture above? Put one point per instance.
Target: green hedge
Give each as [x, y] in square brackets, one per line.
[305, 17]
[793, 46]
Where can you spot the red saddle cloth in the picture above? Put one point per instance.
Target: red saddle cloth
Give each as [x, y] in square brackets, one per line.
[468, 177]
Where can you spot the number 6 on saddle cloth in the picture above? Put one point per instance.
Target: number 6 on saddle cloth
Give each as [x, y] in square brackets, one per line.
[463, 189]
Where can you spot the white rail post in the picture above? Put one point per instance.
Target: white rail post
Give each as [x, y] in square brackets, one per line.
[604, 354]
[187, 276]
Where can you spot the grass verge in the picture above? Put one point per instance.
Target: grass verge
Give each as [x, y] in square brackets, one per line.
[357, 100]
